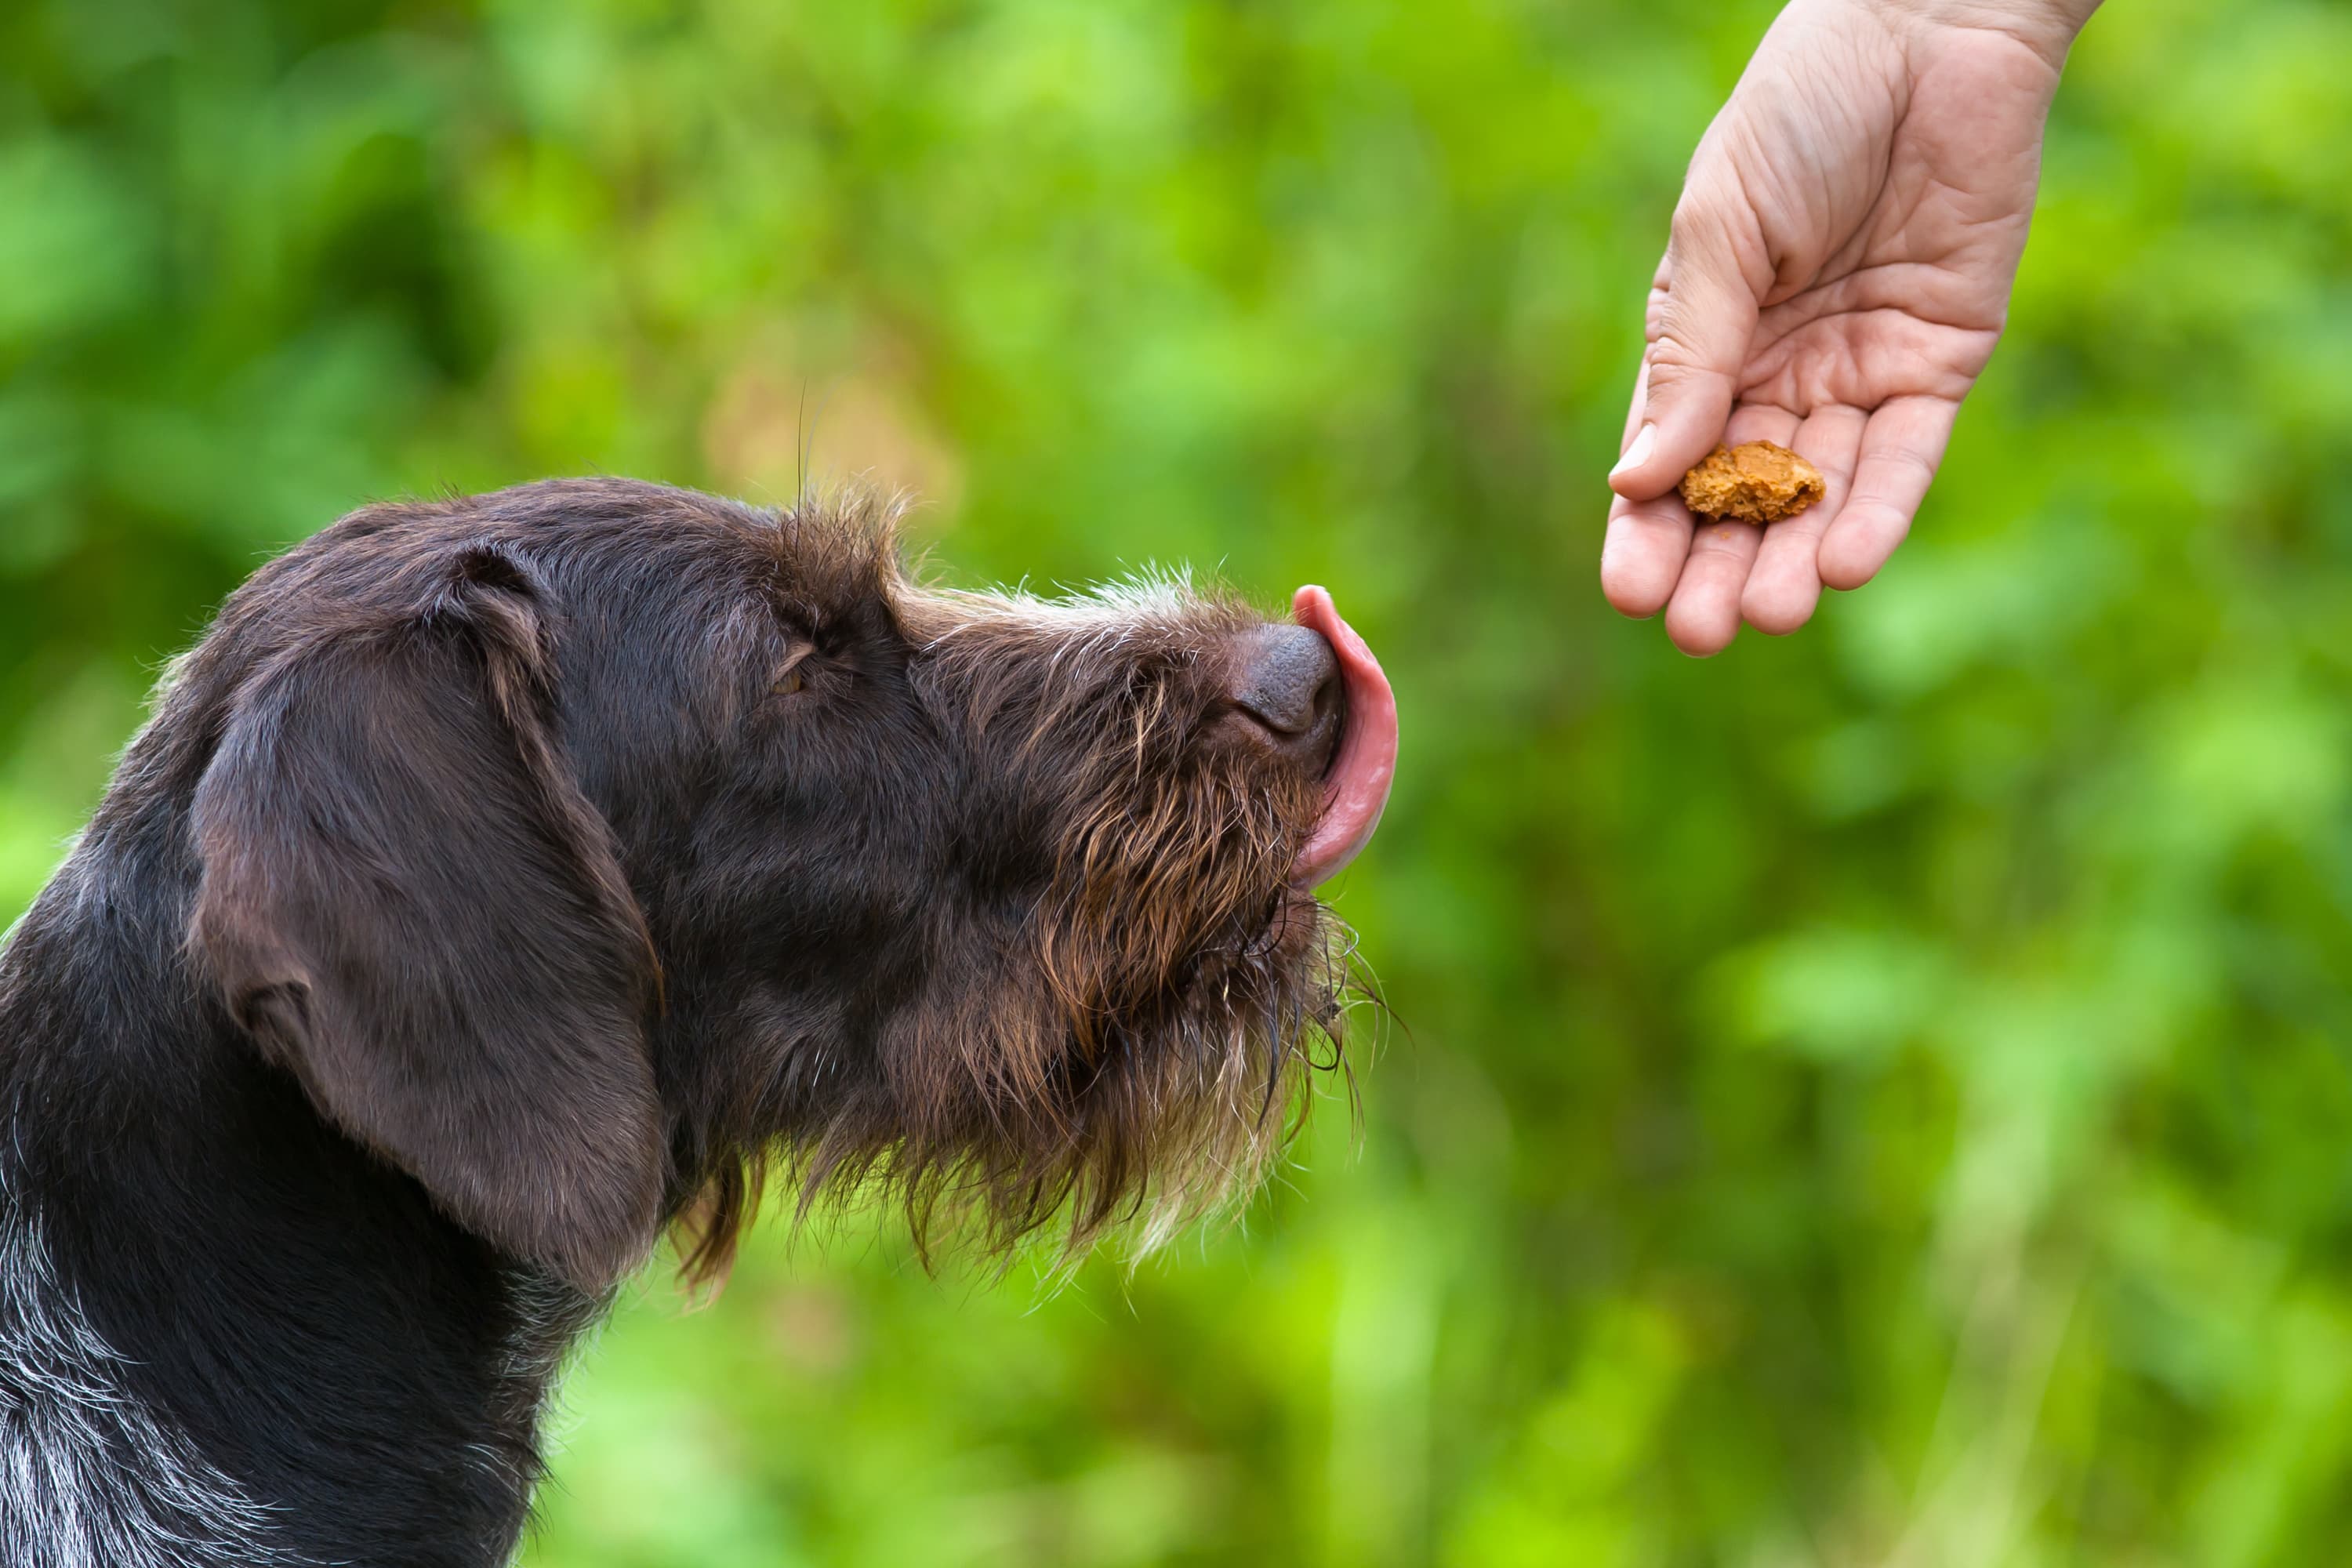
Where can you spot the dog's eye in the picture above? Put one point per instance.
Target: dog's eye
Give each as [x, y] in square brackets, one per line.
[792, 678]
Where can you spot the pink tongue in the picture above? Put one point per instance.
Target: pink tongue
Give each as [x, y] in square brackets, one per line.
[1357, 786]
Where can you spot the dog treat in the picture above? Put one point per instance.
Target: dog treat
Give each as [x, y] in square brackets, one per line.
[1753, 482]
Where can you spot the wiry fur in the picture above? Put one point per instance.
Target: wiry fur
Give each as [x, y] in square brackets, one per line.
[1137, 1043]
[482, 898]
[1140, 1044]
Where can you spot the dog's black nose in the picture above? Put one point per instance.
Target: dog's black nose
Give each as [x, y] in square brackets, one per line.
[1287, 689]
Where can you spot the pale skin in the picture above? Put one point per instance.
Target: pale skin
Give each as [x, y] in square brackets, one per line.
[1838, 273]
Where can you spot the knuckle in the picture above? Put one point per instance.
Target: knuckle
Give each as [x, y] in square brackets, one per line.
[1670, 357]
[1715, 240]
[1701, 222]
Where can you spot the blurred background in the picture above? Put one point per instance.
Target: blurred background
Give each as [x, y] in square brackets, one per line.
[1876, 1098]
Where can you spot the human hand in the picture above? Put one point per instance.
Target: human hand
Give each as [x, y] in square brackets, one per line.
[1838, 273]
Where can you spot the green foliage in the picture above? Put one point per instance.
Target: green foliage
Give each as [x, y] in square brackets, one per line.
[1880, 1096]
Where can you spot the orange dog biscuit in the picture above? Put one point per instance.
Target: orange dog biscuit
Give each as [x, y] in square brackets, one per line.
[1753, 482]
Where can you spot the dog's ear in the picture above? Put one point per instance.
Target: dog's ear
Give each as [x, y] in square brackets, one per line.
[406, 901]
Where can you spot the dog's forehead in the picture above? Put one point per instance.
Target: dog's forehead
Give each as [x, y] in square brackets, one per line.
[631, 542]
[832, 561]
[636, 533]
[821, 563]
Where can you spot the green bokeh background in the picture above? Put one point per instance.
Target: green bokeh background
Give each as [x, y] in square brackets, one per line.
[1880, 1096]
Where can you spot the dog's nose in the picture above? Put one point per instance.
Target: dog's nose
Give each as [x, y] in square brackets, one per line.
[1287, 689]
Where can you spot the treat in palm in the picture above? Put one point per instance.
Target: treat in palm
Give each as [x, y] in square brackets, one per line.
[1756, 481]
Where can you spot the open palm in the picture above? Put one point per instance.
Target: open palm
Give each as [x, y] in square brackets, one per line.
[1837, 276]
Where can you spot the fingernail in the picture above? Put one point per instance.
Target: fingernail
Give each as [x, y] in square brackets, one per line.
[1639, 452]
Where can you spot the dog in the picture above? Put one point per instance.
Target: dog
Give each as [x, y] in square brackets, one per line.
[504, 881]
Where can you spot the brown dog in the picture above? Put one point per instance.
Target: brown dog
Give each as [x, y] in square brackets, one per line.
[502, 879]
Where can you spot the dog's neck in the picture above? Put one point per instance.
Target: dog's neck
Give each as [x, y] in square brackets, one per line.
[227, 1334]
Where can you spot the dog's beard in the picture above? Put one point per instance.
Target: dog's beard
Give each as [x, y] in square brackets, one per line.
[1144, 1061]
[1192, 977]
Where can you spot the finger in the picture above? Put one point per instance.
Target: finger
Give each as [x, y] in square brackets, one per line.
[1634, 410]
[1758, 422]
[1701, 318]
[1703, 615]
[1642, 554]
[1638, 410]
[1901, 449]
[1785, 584]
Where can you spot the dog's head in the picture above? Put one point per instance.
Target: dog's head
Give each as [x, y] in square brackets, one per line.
[580, 846]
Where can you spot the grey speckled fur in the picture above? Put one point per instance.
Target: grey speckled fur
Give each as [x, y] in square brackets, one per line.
[89, 1477]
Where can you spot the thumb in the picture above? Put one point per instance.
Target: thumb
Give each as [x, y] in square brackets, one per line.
[1702, 318]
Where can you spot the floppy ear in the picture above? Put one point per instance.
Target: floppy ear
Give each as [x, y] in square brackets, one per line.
[407, 901]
